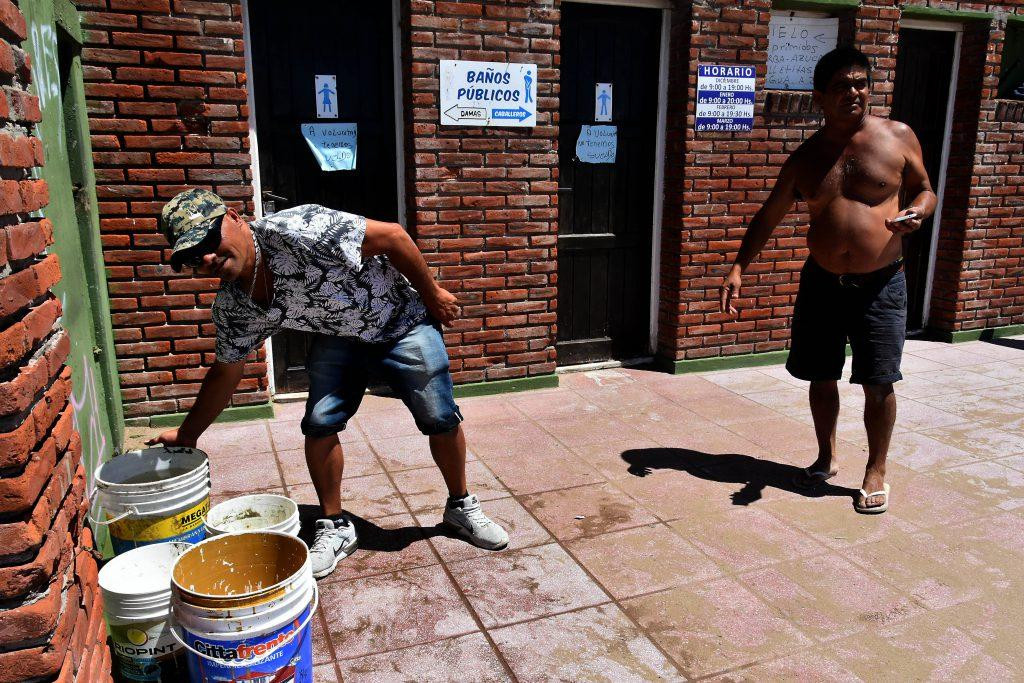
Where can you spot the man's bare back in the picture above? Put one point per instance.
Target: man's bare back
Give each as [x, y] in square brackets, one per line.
[851, 190]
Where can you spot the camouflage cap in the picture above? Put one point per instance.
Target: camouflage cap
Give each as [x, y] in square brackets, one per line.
[188, 218]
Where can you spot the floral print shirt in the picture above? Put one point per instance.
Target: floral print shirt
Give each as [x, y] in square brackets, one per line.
[321, 284]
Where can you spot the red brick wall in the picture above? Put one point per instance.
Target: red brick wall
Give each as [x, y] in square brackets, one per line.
[51, 625]
[484, 201]
[979, 280]
[722, 178]
[165, 82]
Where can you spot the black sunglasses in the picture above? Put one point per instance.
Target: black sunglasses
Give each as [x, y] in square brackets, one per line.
[193, 256]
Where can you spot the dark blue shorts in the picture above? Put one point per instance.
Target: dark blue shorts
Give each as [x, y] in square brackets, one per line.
[869, 310]
[416, 366]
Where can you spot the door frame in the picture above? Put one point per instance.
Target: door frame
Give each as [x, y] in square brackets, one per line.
[254, 156]
[940, 184]
[659, 154]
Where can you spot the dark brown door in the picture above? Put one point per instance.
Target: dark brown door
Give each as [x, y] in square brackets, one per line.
[292, 42]
[921, 94]
[606, 210]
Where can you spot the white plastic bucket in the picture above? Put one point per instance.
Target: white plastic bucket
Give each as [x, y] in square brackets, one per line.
[136, 587]
[259, 512]
[243, 603]
[154, 495]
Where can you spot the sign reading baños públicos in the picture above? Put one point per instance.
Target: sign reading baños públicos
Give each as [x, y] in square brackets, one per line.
[725, 97]
[488, 94]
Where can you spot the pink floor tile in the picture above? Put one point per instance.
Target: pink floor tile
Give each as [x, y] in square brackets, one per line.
[245, 474]
[586, 511]
[596, 644]
[827, 598]
[534, 473]
[235, 440]
[466, 658]
[714, 626]
[642, 560]
[747, 538]
[381, 613]
[511, 586]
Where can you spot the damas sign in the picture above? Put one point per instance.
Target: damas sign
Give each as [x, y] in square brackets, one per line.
[488, 94]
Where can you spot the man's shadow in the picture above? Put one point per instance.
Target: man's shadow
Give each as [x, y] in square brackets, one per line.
[732, 468]
[371, 536]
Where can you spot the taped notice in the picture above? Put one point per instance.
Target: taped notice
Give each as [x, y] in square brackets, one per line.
[333, 144]
[597, 144]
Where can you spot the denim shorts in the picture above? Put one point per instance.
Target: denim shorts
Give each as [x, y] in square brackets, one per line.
[868, 309]
[415, 366]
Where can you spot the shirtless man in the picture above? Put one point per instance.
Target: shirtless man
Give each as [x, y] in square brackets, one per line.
[852, 174]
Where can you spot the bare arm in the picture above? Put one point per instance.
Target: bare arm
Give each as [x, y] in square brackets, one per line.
[218, 386]
[916, 184]
[391, 240]
[764, 222]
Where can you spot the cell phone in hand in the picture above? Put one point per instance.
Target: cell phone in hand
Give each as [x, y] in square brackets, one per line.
[904, 218]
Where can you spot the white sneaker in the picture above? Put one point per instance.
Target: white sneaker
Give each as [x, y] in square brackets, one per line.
[465, 518]
[333, 542]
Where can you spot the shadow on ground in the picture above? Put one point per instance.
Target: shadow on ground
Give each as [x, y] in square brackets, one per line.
[731, 468]
[1009, 343]
[372, 537]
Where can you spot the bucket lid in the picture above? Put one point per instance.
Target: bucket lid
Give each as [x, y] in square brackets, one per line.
[140, 573]
[141, 469]
[238, 568]
[251, 513]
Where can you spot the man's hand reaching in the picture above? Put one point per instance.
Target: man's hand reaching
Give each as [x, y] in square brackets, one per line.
[173, 437]
[443, 305]
[730, 291]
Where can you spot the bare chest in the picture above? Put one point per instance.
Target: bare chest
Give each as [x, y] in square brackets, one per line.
[866, 173]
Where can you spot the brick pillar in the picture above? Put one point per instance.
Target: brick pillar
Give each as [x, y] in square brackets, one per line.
[165, 84]
[52, 624]
[715, 182]
[484, 200]
[986, 178]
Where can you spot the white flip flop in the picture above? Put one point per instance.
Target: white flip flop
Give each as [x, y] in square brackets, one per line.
[873, 509]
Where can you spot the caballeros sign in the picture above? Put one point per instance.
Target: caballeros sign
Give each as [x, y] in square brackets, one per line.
[488, 94]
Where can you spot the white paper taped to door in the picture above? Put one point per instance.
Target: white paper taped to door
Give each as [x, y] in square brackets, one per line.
[795, 44]
[333, 144]
[597, 144]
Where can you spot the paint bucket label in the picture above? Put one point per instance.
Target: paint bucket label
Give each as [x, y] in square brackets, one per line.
[291, 662]
[147, 652]
[186, 526]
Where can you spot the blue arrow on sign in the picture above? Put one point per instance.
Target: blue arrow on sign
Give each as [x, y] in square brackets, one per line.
[519, 114]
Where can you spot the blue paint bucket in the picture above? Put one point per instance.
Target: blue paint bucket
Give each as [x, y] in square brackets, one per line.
[242, 605]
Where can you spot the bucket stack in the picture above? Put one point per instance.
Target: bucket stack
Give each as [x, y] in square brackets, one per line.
[235, 606]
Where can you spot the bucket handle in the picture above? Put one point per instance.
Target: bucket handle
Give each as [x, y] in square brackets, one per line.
[255, 660]
[129, 510]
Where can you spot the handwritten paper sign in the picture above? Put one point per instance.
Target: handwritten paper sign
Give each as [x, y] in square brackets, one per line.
[597, 144]
[333, 144]
[795, 44]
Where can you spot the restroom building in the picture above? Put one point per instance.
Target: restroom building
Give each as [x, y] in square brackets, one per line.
[568, 242]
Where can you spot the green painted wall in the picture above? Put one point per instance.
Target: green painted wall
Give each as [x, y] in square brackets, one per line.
[54, 43]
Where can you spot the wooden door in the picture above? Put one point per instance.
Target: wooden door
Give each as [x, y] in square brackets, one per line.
[292, 42]
[606, 210]
[920, 99]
